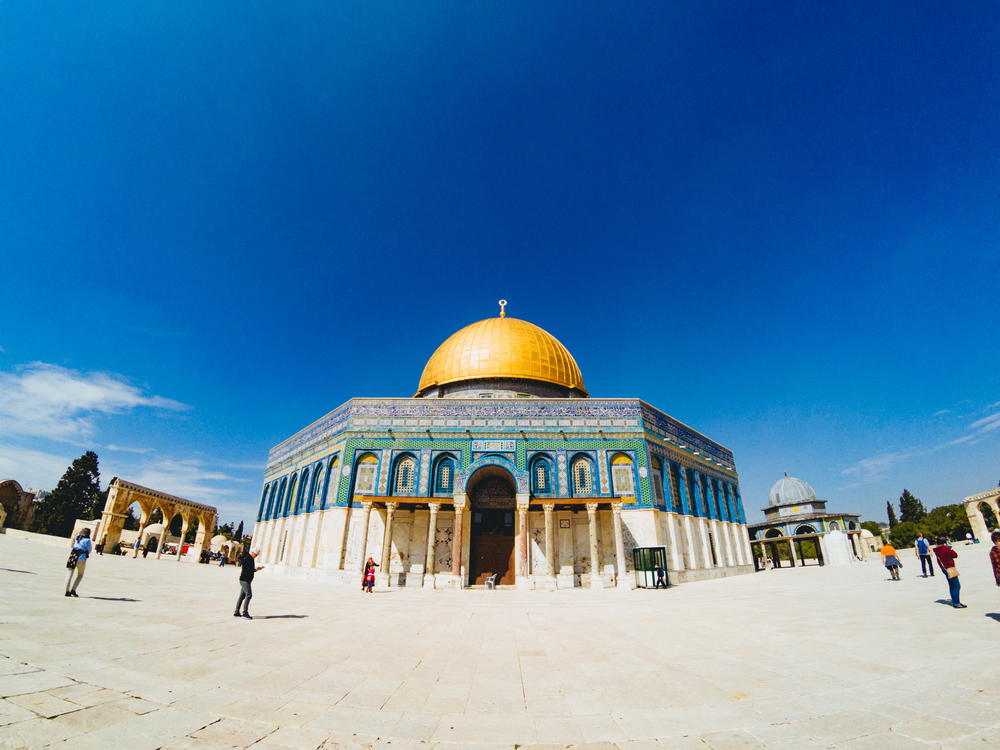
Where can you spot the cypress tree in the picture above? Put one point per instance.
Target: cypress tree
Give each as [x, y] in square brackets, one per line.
[910, 508]
[76, 495]
[891, 513]
[238, 536]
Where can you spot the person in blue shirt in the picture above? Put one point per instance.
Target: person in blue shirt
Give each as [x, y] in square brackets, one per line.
[82, 548]
[924, 553]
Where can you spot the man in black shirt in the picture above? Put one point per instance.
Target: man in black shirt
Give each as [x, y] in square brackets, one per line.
[247, 570]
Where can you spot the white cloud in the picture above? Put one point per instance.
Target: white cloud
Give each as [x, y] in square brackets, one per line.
[127, 449]
[941, 412]
[876, 468]
[46, 400]
[33, 468]
[986, 424]
[187, 478]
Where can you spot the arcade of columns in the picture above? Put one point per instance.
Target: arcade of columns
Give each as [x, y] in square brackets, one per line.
[121, 494]
[716, 543]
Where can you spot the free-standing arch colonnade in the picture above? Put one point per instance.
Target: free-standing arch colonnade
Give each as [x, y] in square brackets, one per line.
[122, 493]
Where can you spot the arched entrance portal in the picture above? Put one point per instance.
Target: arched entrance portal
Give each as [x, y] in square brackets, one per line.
[491, 492]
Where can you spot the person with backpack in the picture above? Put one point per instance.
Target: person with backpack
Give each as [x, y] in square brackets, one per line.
[77, 562]
[924, 553]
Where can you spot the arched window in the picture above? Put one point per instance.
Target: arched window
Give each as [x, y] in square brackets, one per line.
[280, 498]
[444, 476]
[332, 477]
[805, 530]
[851, 525]
[263, 502]
[300, 499]
[314, 492]
[290, 494]
[622, 477]
[365, 470]
[772, 533]
[657, 481]
[582, 474]
[541, 476]
[405, 478]
[834, 526]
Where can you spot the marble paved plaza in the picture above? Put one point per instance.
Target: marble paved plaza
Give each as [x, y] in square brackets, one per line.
[151, 657]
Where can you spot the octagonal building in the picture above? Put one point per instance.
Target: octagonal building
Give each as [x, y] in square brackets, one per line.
[500, 469]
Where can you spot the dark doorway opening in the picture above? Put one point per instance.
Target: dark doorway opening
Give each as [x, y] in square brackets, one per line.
[491, 538]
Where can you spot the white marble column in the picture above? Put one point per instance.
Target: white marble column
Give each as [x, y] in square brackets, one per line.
[676, 554]
[366, 521]
[521, 574]
[550, 543]
[795, 555]
[595, 556]
[457, 541]
[689, 539]
[429, 561]
[622, 579]
[386, 561]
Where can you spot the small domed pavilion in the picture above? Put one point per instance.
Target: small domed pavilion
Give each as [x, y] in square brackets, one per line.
[795, 517]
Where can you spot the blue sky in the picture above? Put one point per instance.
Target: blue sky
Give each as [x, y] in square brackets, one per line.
[778, 223]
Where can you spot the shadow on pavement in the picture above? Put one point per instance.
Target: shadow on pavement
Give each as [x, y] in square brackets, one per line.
[944, 601]
[279, 617]
[113, 598]
[994, 616]
[11, 570]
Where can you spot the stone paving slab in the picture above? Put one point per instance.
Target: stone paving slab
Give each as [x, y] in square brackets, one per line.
[151, 657]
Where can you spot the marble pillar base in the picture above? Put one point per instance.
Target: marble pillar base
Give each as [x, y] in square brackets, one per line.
[523, 583]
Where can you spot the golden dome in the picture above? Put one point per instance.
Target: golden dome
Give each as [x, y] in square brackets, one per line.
[502, 348]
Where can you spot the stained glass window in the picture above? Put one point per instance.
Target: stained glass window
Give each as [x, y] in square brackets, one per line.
[444, 477]
[583, 477]
[541, 477]
[405, 471]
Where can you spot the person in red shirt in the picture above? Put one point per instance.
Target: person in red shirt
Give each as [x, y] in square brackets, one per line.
[946, 559]
[995, 556]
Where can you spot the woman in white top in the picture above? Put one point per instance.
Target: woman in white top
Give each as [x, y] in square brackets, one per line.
[82, 549]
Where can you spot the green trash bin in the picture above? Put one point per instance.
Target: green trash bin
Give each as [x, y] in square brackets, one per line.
[644, 561]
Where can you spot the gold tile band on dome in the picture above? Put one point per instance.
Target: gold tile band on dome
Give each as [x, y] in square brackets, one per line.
[502, 348]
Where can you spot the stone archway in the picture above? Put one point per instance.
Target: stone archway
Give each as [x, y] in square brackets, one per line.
[492, 499]
[122, 493]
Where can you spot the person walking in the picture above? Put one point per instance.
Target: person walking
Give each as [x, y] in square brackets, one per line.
[891, 561]
[995, 555]
[661, 580]
[82, 548]
[924, 553]
[946, 559]
[247, 571]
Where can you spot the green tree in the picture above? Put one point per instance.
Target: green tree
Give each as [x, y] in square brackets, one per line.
[225, 529]
[946, 520]
[891, 513]
[903, 534]
[238, 536]
[873, 527]
[74, 497]
[910, 507]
